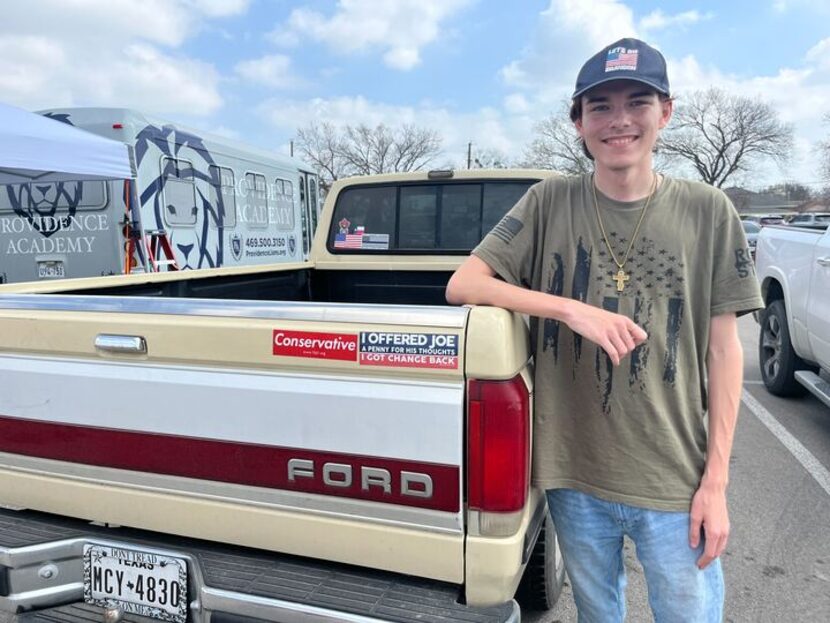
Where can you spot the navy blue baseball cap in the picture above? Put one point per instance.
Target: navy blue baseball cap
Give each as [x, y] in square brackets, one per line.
[626, 59]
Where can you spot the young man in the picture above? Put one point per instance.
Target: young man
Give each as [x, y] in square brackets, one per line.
[633, 281]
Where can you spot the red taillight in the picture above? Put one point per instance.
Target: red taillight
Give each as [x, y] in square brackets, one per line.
[499, 445]
[117, 126]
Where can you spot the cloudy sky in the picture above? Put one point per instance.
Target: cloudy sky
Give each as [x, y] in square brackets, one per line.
[480, 71]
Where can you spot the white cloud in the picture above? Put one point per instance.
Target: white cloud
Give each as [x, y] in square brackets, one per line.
[153, 81]
[109, 52]
[783, 6]
[516, 103]
[657, 20]
[567, 34]
[218, 8]
[272, 71]
[820, 54]
[164, 22]
[399, 29]
[26, 64]
[38, 73]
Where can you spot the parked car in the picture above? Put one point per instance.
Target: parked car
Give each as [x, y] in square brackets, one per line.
[810, 219]
[793, 265]
[771, 219]
[751, 230]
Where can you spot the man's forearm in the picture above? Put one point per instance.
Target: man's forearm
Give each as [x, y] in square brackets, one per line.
[475, 283]
[471, 286]
[725, 365]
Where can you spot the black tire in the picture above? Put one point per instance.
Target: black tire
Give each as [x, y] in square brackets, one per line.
[541, 584]
[778, 360]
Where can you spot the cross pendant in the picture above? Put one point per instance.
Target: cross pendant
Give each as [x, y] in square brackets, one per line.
[621, 278]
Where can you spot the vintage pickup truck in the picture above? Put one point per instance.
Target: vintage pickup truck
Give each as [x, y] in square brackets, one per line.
[318, 441]
[793, 265]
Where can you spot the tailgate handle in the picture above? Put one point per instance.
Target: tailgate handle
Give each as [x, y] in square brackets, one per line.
[128, 344]
[824, 261]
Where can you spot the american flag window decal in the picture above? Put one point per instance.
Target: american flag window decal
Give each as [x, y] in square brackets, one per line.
[348, 241]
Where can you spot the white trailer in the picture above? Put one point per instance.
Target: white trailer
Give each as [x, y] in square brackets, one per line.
[196, 201]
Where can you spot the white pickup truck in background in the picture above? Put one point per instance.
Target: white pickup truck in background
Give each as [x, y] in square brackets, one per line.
[793, 266]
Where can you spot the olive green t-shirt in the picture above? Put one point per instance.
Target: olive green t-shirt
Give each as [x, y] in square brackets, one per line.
[635, 433]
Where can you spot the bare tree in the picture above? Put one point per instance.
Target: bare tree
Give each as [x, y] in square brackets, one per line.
[363, 150]
[721, 134]
[320, 146]
[491, 158]
[824, 147]
[793, 191]
[414, 148]
[557, 145]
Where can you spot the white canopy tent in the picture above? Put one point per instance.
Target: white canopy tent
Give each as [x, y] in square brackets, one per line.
[34, 148]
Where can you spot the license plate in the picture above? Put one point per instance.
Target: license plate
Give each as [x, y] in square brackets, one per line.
[50, 270]
[138, 582]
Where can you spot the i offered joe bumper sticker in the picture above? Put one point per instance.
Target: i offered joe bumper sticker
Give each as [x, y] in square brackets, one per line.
[409, 350]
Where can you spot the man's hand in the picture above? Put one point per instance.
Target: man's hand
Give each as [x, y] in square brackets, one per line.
[616, 334]
[710, 514]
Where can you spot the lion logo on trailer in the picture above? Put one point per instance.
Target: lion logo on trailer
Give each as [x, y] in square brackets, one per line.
[186, 162]
[39, 203]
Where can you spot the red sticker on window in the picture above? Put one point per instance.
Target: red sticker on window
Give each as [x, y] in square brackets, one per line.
[340, 346]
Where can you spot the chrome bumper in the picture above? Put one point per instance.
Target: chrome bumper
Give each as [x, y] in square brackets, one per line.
[225, 585]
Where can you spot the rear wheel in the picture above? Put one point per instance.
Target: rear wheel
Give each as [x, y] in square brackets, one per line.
[544, 575]
[779, 362]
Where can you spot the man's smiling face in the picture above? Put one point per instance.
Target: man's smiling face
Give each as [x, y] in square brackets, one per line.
[620, 122]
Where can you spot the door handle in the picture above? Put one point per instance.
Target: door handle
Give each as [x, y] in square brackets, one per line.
[824, 261]
[122, 344]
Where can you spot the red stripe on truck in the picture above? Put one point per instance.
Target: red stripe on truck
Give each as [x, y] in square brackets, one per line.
[372, 478]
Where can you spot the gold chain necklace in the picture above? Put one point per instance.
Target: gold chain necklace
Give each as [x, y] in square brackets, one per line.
[621, 277]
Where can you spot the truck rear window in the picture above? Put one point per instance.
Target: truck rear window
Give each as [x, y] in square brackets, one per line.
[424, 217]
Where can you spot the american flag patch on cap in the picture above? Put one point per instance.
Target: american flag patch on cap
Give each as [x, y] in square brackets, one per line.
[621, 58]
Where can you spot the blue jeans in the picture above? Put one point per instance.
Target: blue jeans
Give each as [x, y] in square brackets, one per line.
[590, 532]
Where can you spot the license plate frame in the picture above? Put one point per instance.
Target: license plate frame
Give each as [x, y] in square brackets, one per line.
[51, 269]
[150, 584]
